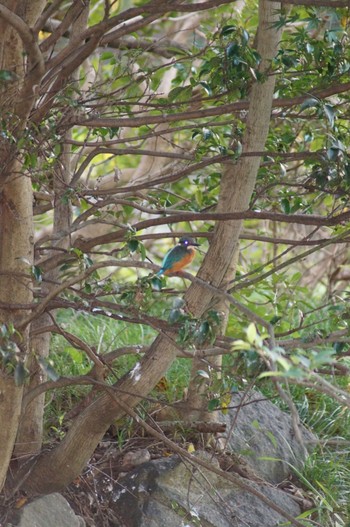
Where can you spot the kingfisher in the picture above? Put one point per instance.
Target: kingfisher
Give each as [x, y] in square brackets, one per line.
[179, 256]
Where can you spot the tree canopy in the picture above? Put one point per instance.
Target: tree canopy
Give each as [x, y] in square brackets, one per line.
[124, 126]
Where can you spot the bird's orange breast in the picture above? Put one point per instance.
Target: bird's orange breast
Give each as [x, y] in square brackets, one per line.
[180, 264]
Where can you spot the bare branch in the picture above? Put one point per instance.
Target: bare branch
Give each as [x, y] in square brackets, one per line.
[129, 122]
[317, 3]
[301, 219]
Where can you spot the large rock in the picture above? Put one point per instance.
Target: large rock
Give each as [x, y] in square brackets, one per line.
[263, 435]
[49, 511]
[172, 493]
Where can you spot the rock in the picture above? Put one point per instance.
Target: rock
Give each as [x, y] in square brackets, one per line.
[176, 494]
[263, 435]
[52, 510]
[172, 493]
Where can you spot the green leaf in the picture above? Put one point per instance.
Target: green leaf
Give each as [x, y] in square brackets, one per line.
[251, 333]
[8, 76]
[48, 369]
[207, 134]
[76, 355]
[323, 356]
[142, 250]
[206, 87]
[332, 153]
[275, 319]
[20, 374]
[285, 204]
[156, 283]
[245, 37]
[174, 316]
[113, 131]
[203, 332]
[37, 272]
[271, 437]
[255, 424]
[213, 404]
[180, 94]
[107, 55]
[227, 30]
[330, 114]
[233, 50]
[133, 245]
[311, 102]
[240, 345]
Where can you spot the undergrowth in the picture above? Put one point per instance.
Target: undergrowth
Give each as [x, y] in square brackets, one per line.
[326, 474]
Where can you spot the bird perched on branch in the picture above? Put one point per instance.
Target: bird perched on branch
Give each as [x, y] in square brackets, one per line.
[179, 256]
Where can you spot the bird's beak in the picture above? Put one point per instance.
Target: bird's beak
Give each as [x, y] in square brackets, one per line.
[194, 243]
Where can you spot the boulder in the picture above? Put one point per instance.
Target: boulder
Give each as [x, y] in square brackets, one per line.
[52, 510]
[176, 494]
[264, 437]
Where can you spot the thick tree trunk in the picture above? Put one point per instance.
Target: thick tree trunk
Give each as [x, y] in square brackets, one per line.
[29, 438]
[55, 469]
[16, 201]
[16, 241]
[237, 185]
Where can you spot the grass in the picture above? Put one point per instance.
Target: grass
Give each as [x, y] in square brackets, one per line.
[326, 474]
[103, 335]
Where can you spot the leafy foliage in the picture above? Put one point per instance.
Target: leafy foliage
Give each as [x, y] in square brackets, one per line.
[125, 148]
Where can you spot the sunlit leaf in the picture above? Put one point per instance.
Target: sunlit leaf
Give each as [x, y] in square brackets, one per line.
[251, 333]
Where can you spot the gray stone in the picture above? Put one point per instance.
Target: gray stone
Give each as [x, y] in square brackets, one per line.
[175, 494]
[263, 435]
[52, 510]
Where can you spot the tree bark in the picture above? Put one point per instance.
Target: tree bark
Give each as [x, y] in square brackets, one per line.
[16, 204]
[55, 469]
[237, 185]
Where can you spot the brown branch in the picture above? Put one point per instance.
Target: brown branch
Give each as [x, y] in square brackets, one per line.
[287, 263]
[27, 37]
[46, 14]
[317, 3]
[71, 15]
[149, 11]
[300, 219]
[130, 122]
[36, 65]
[164, 47]
[164, 179]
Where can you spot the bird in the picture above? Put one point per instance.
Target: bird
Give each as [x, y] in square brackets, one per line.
[178, 257]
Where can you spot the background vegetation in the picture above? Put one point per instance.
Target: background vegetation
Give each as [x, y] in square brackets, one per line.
[125, 125]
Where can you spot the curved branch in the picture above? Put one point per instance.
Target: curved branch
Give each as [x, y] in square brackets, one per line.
[27, 36]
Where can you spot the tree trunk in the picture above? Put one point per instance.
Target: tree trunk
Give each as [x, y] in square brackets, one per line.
[237, 185]
[16, 241]
[55, 469]
[16, 208]
[29, 438]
